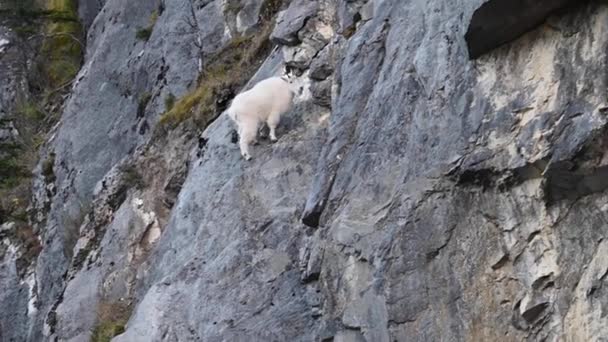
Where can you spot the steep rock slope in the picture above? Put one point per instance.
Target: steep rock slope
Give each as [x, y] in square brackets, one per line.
[415, 194]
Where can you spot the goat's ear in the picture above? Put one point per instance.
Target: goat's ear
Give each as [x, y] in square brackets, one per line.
[290, 75]
[288, 72]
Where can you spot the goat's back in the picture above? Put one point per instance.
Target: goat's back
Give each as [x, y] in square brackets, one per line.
[267, 96]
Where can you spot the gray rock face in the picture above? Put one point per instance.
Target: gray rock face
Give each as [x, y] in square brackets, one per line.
[248, 16]
[250, 288]
[15, 283]
[499, 21]
[88, 10]
[102, 122]
[414, 194]
[292, 20]
[14, 291]
[12, 82]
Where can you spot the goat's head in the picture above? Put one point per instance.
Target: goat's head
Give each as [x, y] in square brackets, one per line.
[288, 75]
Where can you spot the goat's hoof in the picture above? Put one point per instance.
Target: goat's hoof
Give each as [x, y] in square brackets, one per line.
[273, 140]
[247, 157]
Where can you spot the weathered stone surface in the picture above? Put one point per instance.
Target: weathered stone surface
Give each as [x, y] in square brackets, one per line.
[323, 64]
[249, 16]
[100, 125]
[14, 291]
[311, 258]
[268, 283]
[321, 92]
[449, 199]
[16, 280]
[499, 21]
[88, 10]
[292, 20]
[312, 38]
[12, 83]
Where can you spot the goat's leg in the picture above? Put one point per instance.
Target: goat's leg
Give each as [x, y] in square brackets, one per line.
[273, 122]
[247, 137]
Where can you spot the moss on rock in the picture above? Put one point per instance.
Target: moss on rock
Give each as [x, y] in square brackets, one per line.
[225, 73]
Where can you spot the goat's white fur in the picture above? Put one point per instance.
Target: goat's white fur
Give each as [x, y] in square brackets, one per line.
[264, 103]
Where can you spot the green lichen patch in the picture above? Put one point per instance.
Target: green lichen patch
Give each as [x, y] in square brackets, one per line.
[62, 46]
[112, 318]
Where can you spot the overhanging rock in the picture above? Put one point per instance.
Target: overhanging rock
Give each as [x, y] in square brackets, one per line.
[497, 22]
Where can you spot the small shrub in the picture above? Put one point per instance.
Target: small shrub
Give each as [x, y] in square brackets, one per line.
[15, 162]
[144, 33]
[142, 103]
[12, 171]
[30, 111]
[47, 168]
[38, 140]
[169, 102]
[10, 149]
[111, 320]
[60, 71]
[25, 30]
[14, 198]
[233, 7]
[184, 108]
[131, 177]
[105, 331]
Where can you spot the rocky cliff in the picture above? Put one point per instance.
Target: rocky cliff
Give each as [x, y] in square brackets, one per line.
[442, 176]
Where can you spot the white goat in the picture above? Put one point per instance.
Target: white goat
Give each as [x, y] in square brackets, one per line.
[264, 103]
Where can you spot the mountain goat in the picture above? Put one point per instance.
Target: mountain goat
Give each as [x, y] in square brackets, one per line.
[264, 103]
